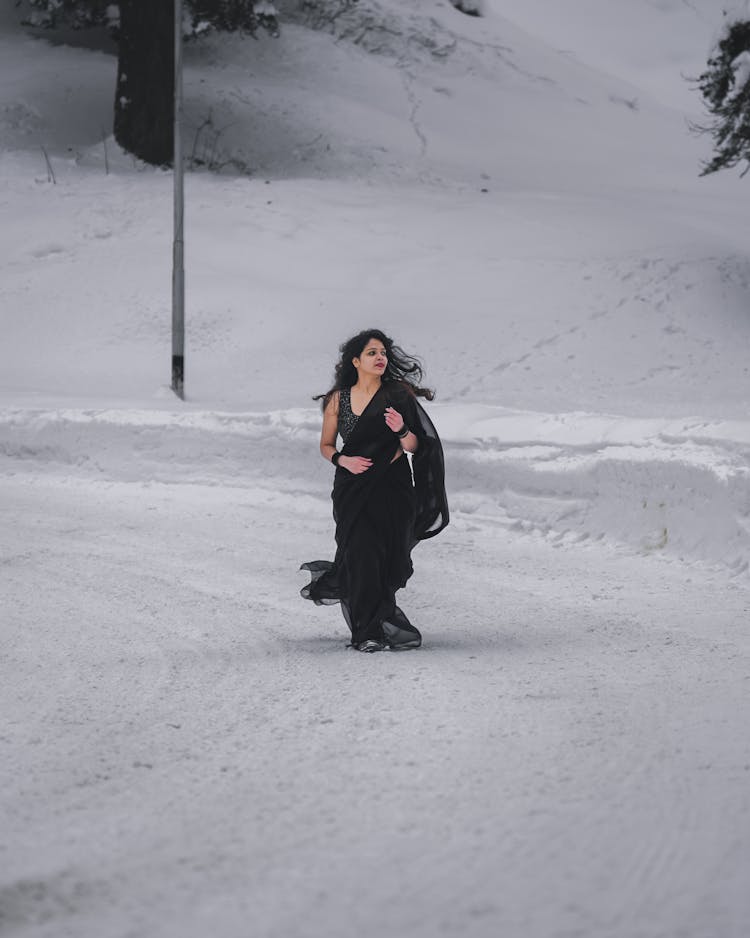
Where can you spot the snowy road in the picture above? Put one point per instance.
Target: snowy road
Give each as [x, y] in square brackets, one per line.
[189, 749]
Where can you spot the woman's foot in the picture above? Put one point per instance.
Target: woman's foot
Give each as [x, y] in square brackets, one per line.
[370, 646]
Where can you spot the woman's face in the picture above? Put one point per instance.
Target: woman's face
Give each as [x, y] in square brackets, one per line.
[373, 360]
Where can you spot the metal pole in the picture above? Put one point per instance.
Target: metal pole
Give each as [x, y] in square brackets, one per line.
[178, 250]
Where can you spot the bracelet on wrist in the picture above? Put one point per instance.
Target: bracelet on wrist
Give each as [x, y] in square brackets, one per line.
[405, 431]
[335, 458]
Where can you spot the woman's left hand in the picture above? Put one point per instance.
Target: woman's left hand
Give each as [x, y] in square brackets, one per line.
[394, 420]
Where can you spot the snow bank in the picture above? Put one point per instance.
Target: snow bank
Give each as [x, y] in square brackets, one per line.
[679, 487]
[673, 487]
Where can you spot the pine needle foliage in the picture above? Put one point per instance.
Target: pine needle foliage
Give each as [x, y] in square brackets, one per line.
[245, 16]
[725, 87]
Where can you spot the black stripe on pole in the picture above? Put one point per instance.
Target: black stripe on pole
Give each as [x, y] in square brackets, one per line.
[178, 374]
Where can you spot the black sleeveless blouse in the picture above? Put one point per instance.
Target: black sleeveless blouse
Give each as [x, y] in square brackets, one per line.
[347, 418]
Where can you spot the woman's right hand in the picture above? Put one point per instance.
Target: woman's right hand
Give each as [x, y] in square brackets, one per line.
[355, 464]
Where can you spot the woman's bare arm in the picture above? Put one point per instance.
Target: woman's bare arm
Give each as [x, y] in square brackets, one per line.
[330, 427]
[396, 423]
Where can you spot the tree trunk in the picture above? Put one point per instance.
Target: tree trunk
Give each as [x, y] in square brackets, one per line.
[144, 96]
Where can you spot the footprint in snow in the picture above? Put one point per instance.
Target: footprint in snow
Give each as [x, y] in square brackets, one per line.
[49, 250]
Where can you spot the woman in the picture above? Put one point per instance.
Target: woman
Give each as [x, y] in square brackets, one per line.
[380, 508]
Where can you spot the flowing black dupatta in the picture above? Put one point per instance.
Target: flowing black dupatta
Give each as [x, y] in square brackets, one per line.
[428, 468]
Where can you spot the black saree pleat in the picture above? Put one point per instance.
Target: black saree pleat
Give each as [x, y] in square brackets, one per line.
[380, 515]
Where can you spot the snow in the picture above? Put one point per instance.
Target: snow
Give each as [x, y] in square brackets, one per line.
[187, 747]
[741, 69]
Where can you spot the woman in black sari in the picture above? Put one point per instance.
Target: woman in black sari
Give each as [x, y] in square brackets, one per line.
[382, 506]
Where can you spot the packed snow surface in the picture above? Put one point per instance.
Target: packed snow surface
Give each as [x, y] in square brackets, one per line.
[187, 747]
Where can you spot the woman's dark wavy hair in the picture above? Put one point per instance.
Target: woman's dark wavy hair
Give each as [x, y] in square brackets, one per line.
[402, 369]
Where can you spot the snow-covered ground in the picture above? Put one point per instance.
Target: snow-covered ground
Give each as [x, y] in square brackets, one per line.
[187, 748]
[188, 751]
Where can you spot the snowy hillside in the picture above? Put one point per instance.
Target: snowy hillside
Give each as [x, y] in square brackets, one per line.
[188, 749]
[510, 201]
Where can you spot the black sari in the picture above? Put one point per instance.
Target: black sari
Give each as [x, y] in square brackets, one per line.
[380, 515]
